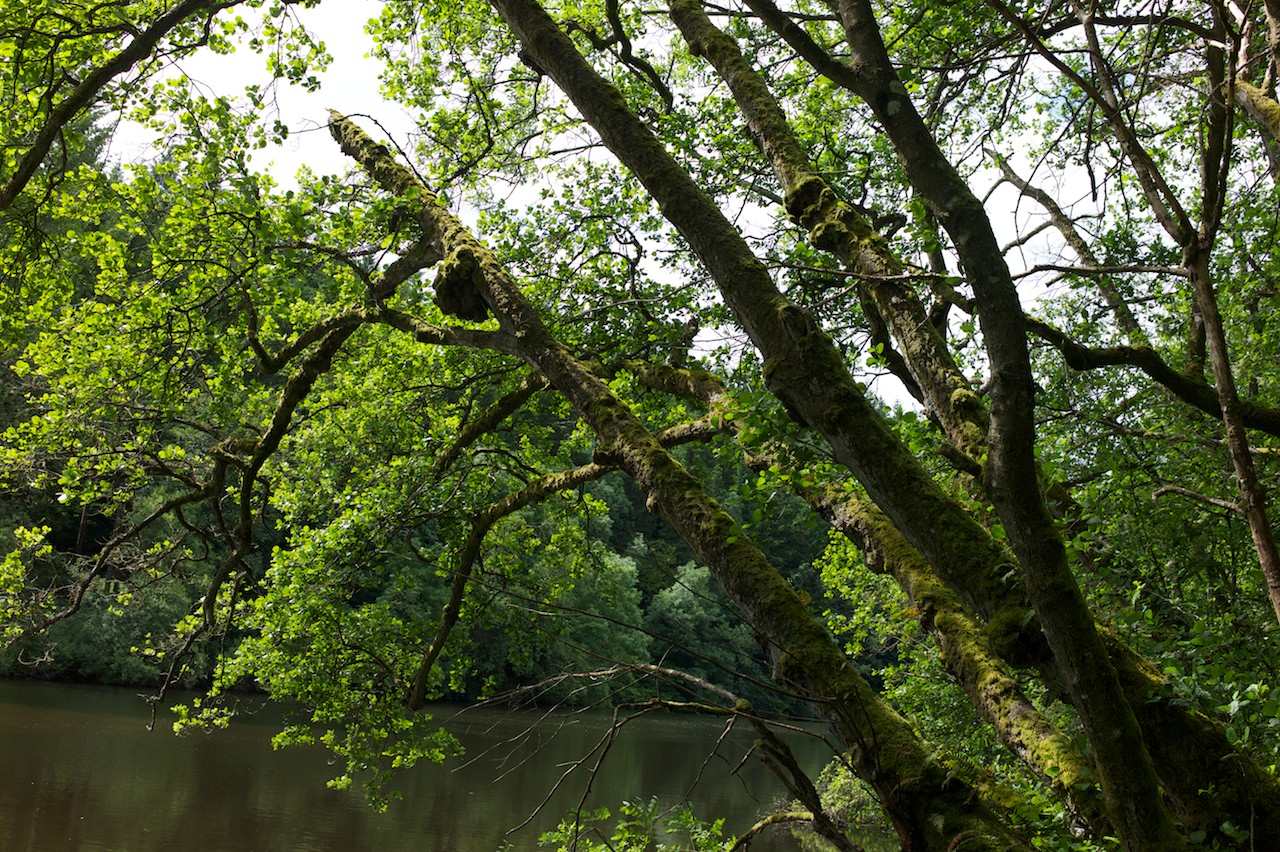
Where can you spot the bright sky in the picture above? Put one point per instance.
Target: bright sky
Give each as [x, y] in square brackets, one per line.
[349, 85]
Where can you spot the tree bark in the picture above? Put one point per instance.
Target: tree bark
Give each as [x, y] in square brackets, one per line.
[837, 227]
[930, 807]
[1253, 500]
[802, 366]
[1265, 112]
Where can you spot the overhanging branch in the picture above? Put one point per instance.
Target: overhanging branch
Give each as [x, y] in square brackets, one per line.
[1187, 388]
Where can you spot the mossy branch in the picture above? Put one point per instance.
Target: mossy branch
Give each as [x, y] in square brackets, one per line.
[536, 491]
[745, 839]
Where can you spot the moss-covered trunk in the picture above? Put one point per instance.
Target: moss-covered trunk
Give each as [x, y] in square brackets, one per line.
[807, 374]
[837, 227]
[929, 806]
[1129, 783]
[975, 655]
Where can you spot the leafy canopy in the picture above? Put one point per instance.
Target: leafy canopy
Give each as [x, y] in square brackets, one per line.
[905, 366]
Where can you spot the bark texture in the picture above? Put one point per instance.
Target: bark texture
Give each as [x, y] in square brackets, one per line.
[837, 227]
[929, 806]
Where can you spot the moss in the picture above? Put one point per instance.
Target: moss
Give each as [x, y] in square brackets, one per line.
[970, 651]
[458, 293]
[830, 235]
[805, 196]
[374, 156]
[833, 416]
[972, 441]
[1265, 110]
[1008, 630]
[833, 226]
[607, 455]
[966, 401]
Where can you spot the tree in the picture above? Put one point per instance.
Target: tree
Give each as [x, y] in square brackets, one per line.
[799, 183]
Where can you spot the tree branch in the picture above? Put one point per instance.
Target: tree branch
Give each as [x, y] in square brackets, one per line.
[1067, 227]
[1190, 389]
[1232, 505]
[139, 49]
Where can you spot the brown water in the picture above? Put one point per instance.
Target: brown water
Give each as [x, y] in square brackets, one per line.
[80, 773]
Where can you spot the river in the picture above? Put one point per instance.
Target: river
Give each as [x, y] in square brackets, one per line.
[81, 774]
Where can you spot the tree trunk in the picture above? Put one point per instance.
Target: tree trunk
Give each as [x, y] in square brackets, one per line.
[929, 806]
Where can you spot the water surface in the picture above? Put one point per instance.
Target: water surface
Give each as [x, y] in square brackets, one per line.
[81, 773]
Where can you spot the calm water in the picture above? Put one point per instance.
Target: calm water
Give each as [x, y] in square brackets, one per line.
[81, 773]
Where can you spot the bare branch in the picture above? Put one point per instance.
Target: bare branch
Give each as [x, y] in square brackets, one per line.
[1159, 194]
[1232, 505]
[1067, 227]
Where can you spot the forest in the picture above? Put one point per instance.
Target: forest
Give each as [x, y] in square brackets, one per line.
[902, 369]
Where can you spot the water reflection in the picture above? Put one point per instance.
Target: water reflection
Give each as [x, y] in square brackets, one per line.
[80, 772]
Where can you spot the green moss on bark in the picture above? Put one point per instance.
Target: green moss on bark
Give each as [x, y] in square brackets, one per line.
[457, 285]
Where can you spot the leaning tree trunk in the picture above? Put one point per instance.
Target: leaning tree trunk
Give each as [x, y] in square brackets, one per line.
[930, 807]
[805, 371]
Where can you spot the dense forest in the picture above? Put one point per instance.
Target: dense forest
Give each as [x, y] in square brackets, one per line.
[900, 367]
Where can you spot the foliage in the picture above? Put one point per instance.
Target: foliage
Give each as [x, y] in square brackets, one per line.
[696, 632]
[734, 356]
[641, 826]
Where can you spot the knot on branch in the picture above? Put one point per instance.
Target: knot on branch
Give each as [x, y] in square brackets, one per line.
[806, 198]
[1015, 634]
[457, 286]
[607, 455]
[833, 225]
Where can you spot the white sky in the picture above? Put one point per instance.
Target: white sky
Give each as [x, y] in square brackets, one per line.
[350, 85]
